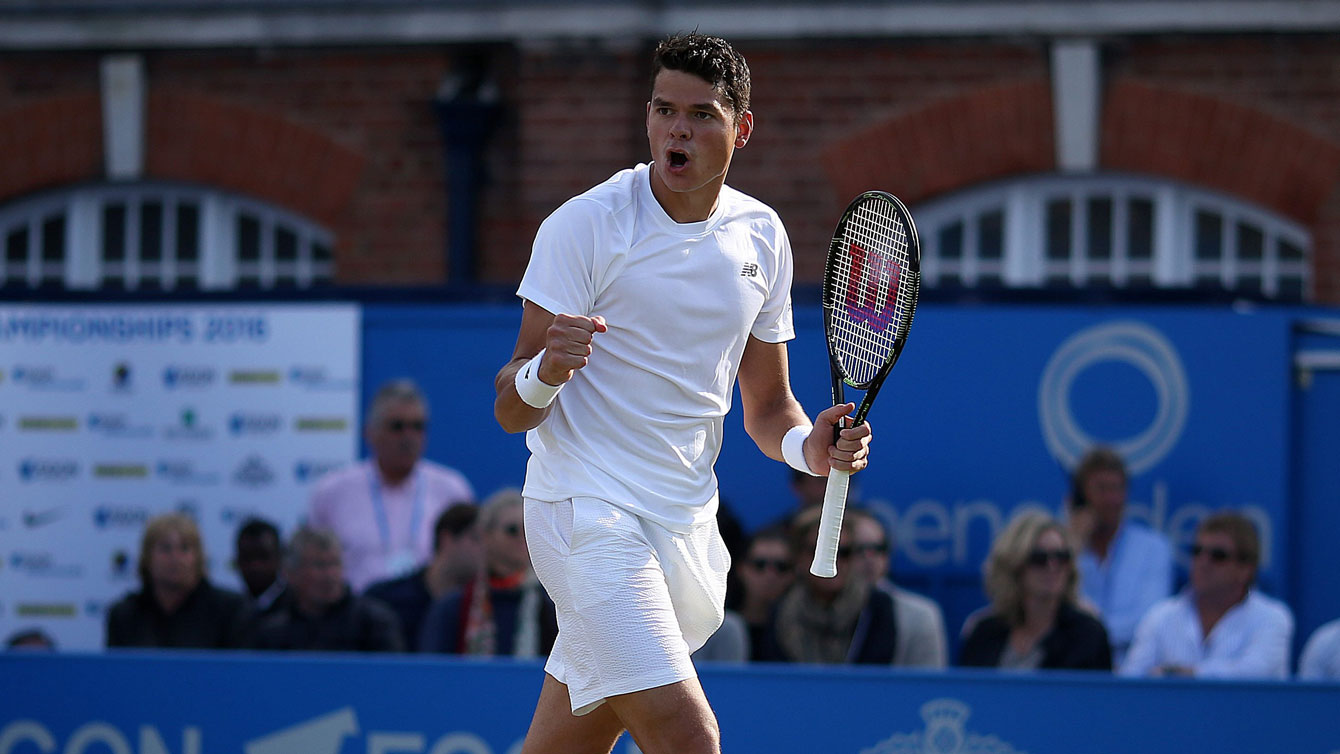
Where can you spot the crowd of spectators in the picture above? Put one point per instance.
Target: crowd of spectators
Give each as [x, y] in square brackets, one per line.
[396, 555]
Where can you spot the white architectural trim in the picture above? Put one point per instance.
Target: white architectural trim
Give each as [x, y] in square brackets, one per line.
[123, 116]
[1075, 85]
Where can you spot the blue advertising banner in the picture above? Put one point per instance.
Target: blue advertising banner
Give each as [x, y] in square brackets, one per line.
[986, 413]
[287, 704]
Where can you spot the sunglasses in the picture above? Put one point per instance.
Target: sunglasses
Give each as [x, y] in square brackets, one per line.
[1215, 554]
[870, 548]
[1040, 558]
[400, 425]
[763, 564]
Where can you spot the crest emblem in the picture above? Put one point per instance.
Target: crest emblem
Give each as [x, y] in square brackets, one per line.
[946, 733]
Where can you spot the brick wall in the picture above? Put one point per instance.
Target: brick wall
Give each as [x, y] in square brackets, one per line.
[349, 136]
[1291, 82]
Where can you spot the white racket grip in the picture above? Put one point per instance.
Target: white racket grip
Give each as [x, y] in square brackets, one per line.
[830, 524]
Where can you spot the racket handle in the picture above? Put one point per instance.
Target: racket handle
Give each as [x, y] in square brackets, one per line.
[830, 525]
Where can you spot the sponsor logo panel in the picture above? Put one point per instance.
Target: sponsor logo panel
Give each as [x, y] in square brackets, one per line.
[120, 470]
[255, 377]
[254, 472]
[117, 424]
[188, 377]
[317, 377]
[42, 564]
[253, 423]
[184, 472]
[48, 423]
[320, 424]
[35, 470]
[45, 378]
[312, 469]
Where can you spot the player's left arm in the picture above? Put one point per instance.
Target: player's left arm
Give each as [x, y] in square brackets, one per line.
[770, 409]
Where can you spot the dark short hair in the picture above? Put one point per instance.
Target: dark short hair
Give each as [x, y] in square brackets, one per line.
[711, 59]
[1099, 459]
[257, 527]
[454, 521]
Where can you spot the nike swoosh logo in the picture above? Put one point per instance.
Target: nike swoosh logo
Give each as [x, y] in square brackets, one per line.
[33, 520]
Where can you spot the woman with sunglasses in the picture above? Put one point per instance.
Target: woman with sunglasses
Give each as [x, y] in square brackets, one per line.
[1034, 621]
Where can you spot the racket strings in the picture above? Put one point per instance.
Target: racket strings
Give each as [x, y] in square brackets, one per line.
[874, 289]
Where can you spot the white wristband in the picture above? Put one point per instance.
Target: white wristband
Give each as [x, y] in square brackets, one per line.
[534, 391]
[793, 448]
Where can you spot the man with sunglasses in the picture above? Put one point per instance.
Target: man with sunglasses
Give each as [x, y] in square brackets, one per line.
[1219, 627]
[383, 509]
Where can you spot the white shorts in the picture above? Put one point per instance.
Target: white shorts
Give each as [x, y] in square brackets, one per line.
[634, 599]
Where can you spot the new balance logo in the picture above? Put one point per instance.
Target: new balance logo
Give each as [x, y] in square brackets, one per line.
[749, 270]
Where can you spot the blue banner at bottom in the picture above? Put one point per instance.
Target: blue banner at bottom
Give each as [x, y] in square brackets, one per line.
[311, 704]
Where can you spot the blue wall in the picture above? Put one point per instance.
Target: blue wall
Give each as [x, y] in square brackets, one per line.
[990, 403]
[295, 704]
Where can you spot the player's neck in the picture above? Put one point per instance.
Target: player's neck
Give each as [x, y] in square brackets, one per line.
[687, 206]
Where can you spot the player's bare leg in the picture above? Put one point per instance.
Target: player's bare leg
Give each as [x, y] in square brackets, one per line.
[555, 729]
[673, 719]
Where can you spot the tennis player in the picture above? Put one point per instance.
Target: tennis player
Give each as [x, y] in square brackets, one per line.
[645, 299]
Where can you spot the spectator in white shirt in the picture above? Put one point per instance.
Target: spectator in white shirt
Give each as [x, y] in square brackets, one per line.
[1220, 627]
[1321, 655]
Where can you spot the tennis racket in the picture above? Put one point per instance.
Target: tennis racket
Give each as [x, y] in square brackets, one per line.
[871, 282]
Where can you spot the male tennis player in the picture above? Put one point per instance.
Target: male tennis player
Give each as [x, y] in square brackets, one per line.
[645, 298]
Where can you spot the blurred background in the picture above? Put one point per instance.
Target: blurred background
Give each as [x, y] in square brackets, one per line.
[224, 224]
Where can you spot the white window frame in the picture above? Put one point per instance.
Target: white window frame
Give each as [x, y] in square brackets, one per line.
[1172, 263]
[217, 265]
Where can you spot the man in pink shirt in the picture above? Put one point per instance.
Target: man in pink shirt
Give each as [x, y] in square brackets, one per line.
[383, 509]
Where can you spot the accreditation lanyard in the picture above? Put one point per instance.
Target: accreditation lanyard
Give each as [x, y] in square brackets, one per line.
[384, 520]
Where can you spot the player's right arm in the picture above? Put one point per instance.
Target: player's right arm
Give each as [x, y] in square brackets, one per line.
[566, 340]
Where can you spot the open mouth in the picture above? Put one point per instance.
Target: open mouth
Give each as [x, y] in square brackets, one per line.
[678, 159]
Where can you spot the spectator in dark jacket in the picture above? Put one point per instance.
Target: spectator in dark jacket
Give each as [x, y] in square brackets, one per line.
[1034, 621]
[322, 614]
[504, 612]
[258, 556]
[177, 606]
[458, 556]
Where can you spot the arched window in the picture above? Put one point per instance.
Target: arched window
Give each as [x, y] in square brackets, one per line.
[1111, 231]
[158, 236]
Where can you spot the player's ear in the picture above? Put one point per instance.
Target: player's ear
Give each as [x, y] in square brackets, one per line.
[744, 128]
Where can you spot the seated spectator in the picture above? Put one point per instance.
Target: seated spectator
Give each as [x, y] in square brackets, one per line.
[766, 572]
[505, 612]
[1125, 567]
[1321, 655]
[322, 613]
[1219, 627]
[843, 619]
[30, 640]
[176, 606]
[382, 509]
[808, 489]
[458, 556]
[729, 643]
[1034, 621]
[257, 557]
[919, 623]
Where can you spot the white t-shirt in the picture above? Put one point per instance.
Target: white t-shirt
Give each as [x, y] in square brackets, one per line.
[640, 426]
